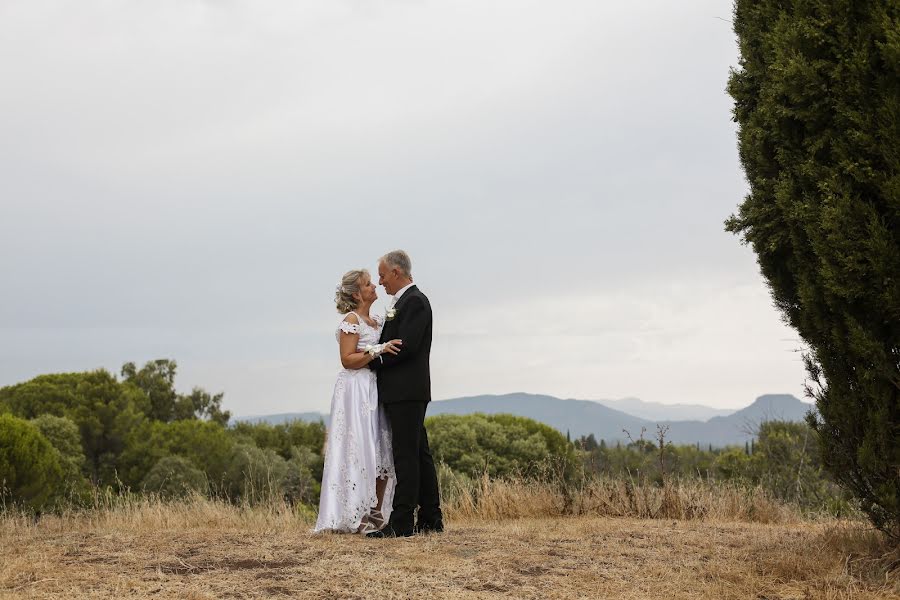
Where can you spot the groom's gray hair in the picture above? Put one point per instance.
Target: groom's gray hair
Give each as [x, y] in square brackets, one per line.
[398, 259]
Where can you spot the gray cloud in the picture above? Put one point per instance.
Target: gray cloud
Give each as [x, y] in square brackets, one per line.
[190, 179]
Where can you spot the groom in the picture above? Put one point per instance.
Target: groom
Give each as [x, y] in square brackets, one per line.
[404, 389]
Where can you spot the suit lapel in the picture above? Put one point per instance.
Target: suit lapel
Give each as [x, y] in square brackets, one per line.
[405, 296]
[389, 327]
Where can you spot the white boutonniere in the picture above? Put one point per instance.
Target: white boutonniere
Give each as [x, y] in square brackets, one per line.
[390, 314]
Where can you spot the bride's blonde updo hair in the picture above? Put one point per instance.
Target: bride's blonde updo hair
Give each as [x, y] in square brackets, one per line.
[343, 296]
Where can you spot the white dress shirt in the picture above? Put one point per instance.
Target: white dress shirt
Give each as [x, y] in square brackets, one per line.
[400, 293]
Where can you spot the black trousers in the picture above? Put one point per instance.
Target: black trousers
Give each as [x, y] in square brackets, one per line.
[417, 484]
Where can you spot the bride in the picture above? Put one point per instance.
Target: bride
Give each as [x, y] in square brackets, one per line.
[358, 478]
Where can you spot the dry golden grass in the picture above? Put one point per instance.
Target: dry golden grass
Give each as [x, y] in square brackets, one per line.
[204, 549]
[610, 497]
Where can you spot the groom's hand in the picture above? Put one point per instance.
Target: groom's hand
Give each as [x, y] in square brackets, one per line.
[411, 326]
[393, 346]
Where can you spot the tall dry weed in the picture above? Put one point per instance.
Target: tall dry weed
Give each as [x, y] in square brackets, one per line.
[516, 497]
[142, 513]
[464, 499]
[869, 554]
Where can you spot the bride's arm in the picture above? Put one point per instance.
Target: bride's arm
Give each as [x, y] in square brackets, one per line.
[349, 338]
[351, 358]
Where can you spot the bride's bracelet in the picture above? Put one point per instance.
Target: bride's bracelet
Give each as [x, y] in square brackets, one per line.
[375, 350]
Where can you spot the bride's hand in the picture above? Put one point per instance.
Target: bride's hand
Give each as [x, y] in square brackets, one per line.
[393, 346]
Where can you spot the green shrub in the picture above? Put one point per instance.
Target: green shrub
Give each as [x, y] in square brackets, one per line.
[63, 435]
[732, 463]
[304, 470]
[283, 437]
[254, 474]
[104, 410]
[30, 469]
[206, 444]
[500, 445]
[174, 477]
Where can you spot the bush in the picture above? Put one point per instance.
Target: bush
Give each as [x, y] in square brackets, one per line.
[304, 470]
[284, 437]
[733, 463]
[174, 477]
[786, 461]
[63, 435]
[104, 410]
[30, 470]
[254, 474]
[300, 444]
[500, 445]
[206, 444]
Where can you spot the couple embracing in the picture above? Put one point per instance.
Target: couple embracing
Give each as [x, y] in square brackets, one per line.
[379, 477]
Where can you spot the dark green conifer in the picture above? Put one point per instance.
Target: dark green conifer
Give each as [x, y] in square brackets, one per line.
[817, 99]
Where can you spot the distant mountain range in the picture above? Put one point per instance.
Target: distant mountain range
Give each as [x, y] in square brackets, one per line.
[584, 417]
[656, 411]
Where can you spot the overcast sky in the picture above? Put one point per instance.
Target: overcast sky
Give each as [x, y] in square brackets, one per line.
[189, 180]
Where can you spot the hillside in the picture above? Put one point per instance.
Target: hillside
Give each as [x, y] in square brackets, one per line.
[657, 411]
[738, 427]
[578, 417]
[584, 417]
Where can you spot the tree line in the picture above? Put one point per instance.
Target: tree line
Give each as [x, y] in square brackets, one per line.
[64, 436]
[784, 457]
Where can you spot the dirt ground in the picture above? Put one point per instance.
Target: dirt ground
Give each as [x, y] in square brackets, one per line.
[531, 558]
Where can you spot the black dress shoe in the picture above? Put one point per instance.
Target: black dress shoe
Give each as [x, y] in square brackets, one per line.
[432, 527]
[388, 532]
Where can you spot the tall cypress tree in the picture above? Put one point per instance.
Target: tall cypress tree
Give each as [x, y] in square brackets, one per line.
[817, 99]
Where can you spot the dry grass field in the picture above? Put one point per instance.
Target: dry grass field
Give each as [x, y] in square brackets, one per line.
[205, 549]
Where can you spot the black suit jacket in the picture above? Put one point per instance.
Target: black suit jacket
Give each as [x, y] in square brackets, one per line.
[406, 377]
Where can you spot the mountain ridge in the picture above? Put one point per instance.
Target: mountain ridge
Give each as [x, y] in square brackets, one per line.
[673, 412]
[585, 417]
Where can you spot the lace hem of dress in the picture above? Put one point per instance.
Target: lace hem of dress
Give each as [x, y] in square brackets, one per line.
[352, 471]
[354, 522]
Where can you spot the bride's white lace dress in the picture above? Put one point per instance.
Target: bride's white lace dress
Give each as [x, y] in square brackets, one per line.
[358, 446]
